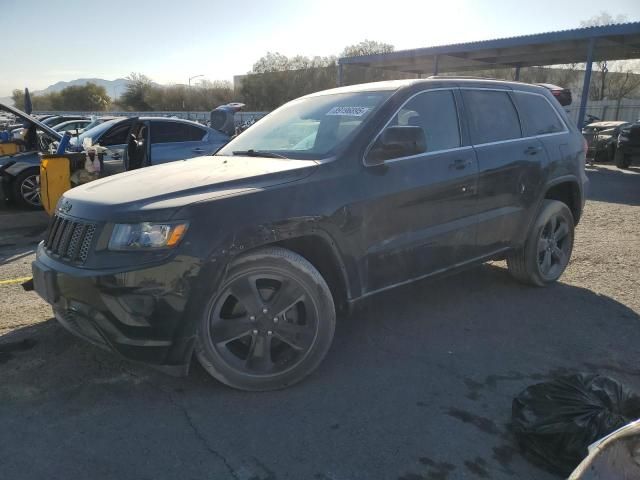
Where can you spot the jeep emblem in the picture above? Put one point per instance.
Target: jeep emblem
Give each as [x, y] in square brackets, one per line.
[65, 207]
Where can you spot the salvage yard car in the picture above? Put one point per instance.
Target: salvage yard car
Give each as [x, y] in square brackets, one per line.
[602, 140]
[628, 146]
[243, 258]
[131, 143]
[20, 171]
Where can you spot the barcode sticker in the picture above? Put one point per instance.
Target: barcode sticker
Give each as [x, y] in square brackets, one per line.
[349, 111]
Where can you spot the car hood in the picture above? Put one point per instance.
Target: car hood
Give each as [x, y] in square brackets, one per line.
[180, 183]
[28, 118]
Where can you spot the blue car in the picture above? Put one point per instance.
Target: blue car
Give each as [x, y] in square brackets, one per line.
[131, 143]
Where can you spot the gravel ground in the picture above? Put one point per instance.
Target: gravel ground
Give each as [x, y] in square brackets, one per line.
[418, 384]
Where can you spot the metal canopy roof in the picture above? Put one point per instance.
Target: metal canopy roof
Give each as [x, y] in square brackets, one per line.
[611, 42]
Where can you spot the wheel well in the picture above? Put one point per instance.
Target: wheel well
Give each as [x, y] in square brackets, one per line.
[569, 194]
[321, 255]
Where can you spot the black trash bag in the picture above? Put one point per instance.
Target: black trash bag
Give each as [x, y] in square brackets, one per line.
[555, 422]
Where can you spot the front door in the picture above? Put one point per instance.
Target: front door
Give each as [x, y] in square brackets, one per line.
[419, 217]
[115, 141]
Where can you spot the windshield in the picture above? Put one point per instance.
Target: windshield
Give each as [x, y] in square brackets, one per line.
[311, 127]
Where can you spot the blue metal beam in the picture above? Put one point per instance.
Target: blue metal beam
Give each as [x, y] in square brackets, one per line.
[435, 65]
[339, 79]
[516, 75]
[586, 83]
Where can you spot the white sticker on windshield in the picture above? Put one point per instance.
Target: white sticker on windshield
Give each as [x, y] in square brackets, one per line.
[349, 111]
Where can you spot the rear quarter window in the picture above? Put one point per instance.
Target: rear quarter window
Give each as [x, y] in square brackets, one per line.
[491, 115]
[537, 114]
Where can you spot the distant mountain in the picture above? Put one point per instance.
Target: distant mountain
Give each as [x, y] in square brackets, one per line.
[114, 88]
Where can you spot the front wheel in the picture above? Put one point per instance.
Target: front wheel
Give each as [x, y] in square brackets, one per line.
[547, 251]
[270, 323]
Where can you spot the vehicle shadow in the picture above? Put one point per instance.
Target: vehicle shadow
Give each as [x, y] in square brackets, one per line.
[417, 378]
[614, 186]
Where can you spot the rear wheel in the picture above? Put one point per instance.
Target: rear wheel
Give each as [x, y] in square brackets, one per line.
[270, 323]
[26, 188]
[548, 248]
[622, 160]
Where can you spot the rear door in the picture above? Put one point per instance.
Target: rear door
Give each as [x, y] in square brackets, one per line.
[510, 167]
[419, 216]
[171, 141]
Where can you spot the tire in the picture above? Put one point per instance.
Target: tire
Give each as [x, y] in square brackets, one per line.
[274, 301]
[622, 160]
[548, 247]
[26, 188]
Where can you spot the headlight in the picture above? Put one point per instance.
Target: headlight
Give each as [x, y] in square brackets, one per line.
[146, 236]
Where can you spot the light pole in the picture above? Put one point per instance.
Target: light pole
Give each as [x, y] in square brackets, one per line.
[191, 78]
[195, 76]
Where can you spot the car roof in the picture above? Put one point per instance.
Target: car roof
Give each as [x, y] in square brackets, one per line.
[431, 81]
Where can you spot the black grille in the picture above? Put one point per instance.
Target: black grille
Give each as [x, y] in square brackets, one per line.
[70, 239]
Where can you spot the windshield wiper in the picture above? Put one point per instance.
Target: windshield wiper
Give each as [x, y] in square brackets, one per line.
[259, 153]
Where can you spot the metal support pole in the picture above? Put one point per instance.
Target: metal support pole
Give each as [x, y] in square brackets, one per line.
[339, 79]
[586, 83]
[516, 75]
[435, 65]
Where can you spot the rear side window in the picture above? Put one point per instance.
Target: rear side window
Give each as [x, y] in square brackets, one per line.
[436, 113]
[538, 116]
[167, 132]
[492, 116]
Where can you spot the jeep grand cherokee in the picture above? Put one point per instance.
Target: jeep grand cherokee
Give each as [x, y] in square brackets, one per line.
[243, 259]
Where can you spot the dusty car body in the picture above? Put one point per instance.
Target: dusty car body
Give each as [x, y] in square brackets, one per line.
[243, 258]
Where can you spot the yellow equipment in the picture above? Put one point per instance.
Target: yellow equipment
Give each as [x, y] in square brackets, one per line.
[55, 179]
[9, 148]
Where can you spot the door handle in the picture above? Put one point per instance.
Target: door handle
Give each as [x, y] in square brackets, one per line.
[532, 150]
[460, 164]
[198, 150]
[116, 156]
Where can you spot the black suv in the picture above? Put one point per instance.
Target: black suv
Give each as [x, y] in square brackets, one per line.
[244, 258]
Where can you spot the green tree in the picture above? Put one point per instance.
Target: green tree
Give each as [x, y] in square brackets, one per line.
[85, 98]
[137, 93]
[366, 47]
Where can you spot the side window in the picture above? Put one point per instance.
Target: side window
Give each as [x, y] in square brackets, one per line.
[167, 132]
[436, 113]
[538, 117]
[491, 115]
[117, 135]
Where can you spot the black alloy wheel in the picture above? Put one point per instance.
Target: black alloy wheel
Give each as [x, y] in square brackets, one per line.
[269, 325]
[554, 248]
[548, 247]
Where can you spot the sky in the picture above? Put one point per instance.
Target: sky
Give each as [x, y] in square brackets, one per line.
[172, 40]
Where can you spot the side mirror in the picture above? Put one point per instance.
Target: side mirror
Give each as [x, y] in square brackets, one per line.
[396, 142]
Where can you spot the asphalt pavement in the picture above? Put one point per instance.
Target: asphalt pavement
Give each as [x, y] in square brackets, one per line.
[418, 383]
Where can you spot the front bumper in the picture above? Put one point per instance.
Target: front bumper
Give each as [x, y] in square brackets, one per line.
[147, 315]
